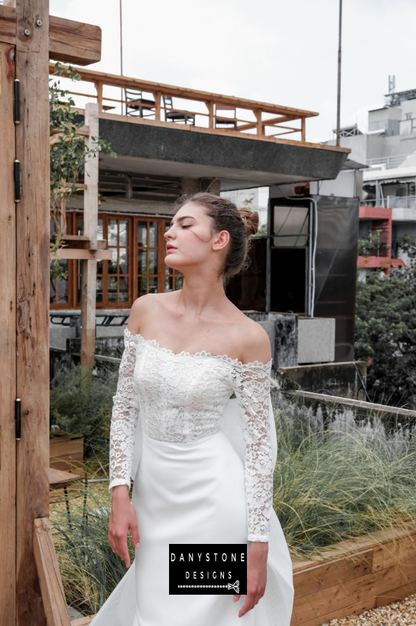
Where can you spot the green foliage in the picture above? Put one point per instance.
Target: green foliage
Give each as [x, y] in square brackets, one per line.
[81, 403]
[331, 485]
[68, 154]
[385, 333]
[370, 246]
[89, 568]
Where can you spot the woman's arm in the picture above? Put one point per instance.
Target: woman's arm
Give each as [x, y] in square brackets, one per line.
[252, 390]
[125, 416]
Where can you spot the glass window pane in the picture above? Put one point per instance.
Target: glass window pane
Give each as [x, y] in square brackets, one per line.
[99, 289]
[112, 265]
[152, 234]
[141, 264]
[142, 284]
[152, 261]
[178, 282]
[80, 226]
[112, 289]
[112, 232]
[100, 267]
[142, 234]
[123, 234]
[52, 290]
[168, 270]
[100, 229]
[153, 285]
[78, 289]
[291, 225]
[123, 295]
[122, 260]
[168, 283]
[63, 284]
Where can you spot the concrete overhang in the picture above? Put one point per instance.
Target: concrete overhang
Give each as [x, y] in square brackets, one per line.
[181, 151]
[390, 175]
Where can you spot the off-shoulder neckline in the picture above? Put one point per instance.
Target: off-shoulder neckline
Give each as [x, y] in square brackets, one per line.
[221, 357]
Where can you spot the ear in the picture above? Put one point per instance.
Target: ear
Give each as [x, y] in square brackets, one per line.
[221, 241]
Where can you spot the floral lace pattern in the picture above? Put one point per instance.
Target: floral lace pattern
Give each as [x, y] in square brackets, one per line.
[182, 398]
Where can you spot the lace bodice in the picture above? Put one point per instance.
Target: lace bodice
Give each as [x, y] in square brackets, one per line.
[181, 398]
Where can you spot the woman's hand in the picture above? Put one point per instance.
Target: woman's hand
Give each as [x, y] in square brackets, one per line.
[256, 576]
[122, 518]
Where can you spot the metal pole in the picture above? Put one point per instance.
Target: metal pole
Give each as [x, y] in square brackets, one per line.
[121, 50]
[339, 73]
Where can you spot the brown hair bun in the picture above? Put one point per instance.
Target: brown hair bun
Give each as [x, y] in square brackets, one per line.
[250, 221]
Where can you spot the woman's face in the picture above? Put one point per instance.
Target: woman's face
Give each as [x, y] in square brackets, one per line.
[190, 240]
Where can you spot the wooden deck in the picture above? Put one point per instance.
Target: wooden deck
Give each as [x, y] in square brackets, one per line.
[252, 118]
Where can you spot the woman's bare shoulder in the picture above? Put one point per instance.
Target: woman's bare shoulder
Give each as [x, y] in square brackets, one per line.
[255, 343]
[253, 340]
[143, 307]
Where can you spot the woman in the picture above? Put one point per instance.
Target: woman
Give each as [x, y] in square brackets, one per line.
[186, 352]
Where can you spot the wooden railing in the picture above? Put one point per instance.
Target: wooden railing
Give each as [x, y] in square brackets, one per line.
[254, 119]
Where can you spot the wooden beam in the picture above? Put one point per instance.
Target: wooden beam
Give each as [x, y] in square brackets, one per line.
[89, 283]
[8, 392]
[74, 42]
[91, 255]
[270, 122]
[69, 41]
[259, 126]
[32, 275]
[210, 106]
[158, 101]
[53, 595]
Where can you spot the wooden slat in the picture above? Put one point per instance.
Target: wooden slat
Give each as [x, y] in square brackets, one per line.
[354, 609]
[68, 253]
[74, 42]
[49, 577]
[32, 274]
[7, 338]
[7, 24]
[333, 572]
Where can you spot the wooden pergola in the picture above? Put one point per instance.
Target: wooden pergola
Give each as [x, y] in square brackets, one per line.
[31, 591]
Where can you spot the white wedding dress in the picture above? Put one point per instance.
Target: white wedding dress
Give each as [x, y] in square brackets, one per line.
[203, 470]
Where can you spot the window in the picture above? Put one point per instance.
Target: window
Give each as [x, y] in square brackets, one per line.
[137, 265]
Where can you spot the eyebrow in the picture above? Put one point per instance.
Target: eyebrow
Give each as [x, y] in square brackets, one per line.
[180, 219]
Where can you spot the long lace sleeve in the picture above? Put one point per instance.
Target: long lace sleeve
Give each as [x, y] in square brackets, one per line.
[124, 417]
[252, 390]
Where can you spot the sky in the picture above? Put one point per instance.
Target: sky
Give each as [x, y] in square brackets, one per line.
[268, 50]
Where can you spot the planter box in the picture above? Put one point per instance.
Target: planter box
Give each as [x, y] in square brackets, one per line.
[66, 451]
[338, 583]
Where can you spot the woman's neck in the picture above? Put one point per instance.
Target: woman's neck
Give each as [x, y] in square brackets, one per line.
[201, 294]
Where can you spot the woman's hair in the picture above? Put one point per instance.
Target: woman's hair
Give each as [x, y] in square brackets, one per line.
[240, 223]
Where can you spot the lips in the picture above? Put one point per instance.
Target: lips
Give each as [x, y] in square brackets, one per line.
[169, 248]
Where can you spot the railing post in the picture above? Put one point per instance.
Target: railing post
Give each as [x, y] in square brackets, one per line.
[303, 129]
[99, 88]
[158, 97]
[257, 113]
[210, 106]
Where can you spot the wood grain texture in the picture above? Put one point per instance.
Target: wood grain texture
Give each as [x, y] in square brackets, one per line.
[32, 272]
[49, 577]
[74, 42]
[7, 338]
[353, 576]
[8, 24]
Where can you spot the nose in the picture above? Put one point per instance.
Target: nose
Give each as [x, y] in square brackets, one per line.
[168, 234]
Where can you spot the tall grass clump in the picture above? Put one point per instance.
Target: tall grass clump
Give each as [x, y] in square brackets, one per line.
[81, 403]
[331, 485]
[89, 568]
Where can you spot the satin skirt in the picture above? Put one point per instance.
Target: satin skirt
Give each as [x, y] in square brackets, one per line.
[193, 493]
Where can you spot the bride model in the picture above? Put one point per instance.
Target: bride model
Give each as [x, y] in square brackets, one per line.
[202, 464]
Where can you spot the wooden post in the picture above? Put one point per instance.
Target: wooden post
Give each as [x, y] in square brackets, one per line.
[32, 274]
[88, 297]
[158, 99]
[99, 88]
[210, 106]
[259, 125]
[303, 129]
[7, 339]
[49, 576]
